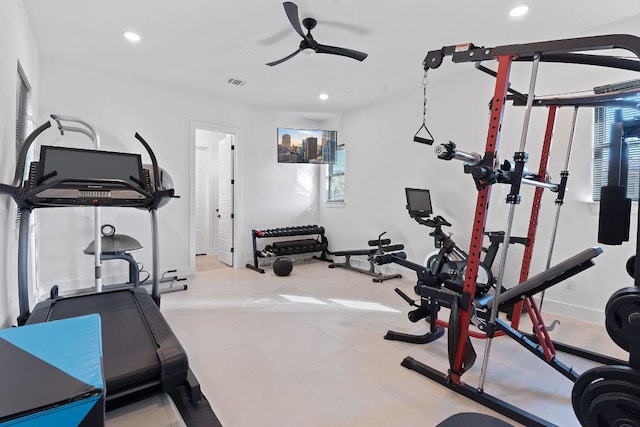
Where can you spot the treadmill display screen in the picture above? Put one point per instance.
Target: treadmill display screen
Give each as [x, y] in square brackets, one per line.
[62, 163]
[418, 202]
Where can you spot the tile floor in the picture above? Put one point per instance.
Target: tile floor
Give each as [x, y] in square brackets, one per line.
[293, 351]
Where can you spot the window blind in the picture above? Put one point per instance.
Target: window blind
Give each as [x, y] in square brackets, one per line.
[22, 120]
[603, 119]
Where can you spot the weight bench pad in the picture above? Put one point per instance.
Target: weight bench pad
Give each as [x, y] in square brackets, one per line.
[547, 278]
[355, 252]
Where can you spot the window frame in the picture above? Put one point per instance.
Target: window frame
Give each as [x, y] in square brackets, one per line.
[332, 173]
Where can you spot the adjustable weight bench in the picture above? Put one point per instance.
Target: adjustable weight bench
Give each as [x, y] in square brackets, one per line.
[543, 280]
[383, 246]
[433, 297]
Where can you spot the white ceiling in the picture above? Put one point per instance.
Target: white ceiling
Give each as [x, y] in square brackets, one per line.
[199, 44]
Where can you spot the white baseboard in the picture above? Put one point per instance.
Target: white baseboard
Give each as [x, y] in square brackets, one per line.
[574, 312]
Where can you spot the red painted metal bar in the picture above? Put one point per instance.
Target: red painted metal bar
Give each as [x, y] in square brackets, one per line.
[535, 208]
[482, 204]
[540, 330]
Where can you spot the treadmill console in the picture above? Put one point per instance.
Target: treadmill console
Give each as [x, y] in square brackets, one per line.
[70, 176]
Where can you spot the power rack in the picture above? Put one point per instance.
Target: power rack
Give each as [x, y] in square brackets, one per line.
[485, 172]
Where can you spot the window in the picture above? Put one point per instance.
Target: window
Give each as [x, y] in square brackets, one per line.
[603, 119]
[23, 123]
[335, 177]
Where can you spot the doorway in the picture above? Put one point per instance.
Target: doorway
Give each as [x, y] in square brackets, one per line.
[212, 200]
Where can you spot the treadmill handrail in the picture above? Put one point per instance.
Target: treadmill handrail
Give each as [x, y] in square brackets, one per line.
[154, 161]
[22, 156]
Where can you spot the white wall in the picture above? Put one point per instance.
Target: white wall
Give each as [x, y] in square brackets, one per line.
[267, 194]
[16, 44]
[382, 159]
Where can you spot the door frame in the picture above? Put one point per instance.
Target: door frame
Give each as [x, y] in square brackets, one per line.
[213, 127]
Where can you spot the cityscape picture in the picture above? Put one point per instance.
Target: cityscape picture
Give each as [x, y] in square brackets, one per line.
[307, 145]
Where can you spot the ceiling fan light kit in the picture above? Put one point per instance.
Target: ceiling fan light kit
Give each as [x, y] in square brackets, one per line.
[308, 45]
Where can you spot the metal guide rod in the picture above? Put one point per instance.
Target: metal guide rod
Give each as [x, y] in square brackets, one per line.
[547, 185]
[92, 133]
[507, 235]
[559, 202]
[530, 96]
[482, 203]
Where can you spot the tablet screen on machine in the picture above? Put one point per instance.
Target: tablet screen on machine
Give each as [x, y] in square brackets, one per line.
[418, 202]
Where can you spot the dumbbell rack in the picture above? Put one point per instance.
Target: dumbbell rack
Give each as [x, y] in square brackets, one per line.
[289, 247]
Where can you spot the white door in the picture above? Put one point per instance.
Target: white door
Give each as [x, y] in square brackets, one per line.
[201, 201]
[225, 200]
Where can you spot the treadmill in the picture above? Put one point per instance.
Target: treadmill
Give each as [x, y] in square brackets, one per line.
[142, 356]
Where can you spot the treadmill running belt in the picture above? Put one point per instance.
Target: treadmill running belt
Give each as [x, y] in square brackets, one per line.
[132, 344]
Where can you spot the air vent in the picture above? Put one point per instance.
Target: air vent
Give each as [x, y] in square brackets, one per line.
[236, 82]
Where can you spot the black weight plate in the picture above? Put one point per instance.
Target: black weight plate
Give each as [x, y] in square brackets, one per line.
[629, 290]
[631, 266]
[601, 379]
[607, 387]
[615, 410]
[622, 317]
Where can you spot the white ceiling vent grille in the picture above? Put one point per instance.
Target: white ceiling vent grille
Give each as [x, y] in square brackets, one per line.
[236, 82]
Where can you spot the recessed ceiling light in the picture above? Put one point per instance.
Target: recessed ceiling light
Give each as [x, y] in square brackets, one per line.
[131, 36]
[519, 10]
[323, 96]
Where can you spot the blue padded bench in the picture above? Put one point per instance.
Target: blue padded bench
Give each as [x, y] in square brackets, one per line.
[51, 374]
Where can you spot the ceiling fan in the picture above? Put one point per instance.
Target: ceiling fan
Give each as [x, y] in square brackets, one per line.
[308, 42]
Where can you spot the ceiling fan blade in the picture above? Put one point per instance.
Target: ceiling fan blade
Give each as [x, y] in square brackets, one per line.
[275, 38]
[279, 61]
[353, 28]
[349, 53]
[292, 13]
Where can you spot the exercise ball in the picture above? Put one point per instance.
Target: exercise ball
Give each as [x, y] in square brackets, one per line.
[282, 266]
[165, 180]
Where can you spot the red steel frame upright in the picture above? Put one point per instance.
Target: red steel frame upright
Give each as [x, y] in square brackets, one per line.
[493, 139]
[538, 324]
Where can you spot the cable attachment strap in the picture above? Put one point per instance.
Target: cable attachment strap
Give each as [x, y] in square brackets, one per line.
[426, 137]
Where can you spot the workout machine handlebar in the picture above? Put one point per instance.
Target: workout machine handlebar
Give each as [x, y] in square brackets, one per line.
[449, 151]
[436, 222]
[482, 171]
